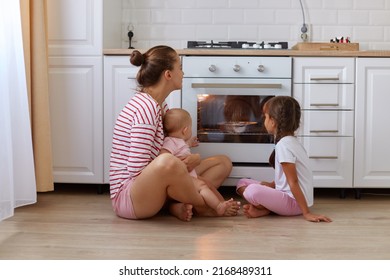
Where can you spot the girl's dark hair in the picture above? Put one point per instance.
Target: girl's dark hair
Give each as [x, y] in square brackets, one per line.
[153, 63]
[286, 112]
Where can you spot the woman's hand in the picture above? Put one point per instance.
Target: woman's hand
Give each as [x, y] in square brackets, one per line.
[316, 218]
[191, 161]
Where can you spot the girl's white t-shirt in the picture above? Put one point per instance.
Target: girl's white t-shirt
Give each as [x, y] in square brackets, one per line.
[289, 149]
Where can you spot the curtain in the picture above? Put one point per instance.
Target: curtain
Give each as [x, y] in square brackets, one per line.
[17, 173]
[34, 29]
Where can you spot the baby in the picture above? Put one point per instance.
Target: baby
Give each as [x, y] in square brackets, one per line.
[178, 140]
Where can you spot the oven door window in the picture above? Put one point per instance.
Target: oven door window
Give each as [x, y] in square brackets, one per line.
[231, 119]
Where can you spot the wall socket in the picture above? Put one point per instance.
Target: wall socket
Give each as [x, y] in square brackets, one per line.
[305, 32]
[128, 34]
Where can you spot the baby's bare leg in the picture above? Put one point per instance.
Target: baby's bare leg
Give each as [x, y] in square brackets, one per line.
[217, 203]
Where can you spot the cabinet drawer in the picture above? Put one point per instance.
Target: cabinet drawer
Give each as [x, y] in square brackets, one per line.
[326, 123]
[324, 70]
[331, 160]
[325, 96]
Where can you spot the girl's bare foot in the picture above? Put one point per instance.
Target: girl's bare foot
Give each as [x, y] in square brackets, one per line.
[250, 211]
[240, 190]
[228, 208]
[182, 211]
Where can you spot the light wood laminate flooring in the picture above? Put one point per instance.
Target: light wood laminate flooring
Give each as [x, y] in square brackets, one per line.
[76, 223]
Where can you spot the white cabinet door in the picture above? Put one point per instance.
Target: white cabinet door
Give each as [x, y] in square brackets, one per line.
[119, 86]
[75, 38]
[372, 129]
[76, 109]
[75, 27]
[330, 158]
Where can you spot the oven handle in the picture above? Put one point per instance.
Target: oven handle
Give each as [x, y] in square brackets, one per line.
[238, 177]
[323, 157]
[223, 85]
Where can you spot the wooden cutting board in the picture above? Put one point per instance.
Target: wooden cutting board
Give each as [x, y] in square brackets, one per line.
[326, 46]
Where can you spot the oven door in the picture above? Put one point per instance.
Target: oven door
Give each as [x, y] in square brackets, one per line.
[227, 116]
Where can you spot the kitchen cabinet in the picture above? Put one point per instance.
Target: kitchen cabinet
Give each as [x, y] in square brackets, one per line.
[119, 86]
[325, 89]
[372, 130]
[76, 89]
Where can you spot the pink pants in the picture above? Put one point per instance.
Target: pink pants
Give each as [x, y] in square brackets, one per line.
[274, 200]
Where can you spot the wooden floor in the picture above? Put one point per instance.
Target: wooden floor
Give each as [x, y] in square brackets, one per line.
[76, 223]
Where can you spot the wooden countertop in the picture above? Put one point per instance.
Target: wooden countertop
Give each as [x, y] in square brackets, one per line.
[247, 52]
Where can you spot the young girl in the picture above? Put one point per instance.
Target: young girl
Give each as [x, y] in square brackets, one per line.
[291, 193]
[178, 139]
[141, 180]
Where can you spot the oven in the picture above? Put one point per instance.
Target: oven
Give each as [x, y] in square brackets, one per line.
[225, 95]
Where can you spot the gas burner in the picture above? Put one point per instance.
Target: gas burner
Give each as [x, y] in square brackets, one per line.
[236, 45]
[212, 45]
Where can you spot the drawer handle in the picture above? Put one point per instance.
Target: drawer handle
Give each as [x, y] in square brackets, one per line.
[324, 131]
[325, 104]
[323, 157]
[330, 78]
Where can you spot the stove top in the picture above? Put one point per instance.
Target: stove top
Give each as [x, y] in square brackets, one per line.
[236, 45]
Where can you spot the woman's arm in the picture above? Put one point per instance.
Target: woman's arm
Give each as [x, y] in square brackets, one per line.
[292, 179]
[141, 148]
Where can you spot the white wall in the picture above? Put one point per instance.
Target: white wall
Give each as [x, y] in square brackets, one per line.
[112, 24]
[174, 22]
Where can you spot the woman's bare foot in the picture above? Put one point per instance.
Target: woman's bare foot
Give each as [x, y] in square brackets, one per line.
[228, 208]
[182, 211]
[250, 211]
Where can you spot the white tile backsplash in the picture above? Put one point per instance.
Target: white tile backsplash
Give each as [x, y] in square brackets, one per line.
[166, 16]
[174, 22]
[353, 18]
[380, 18]
[370, 5]
[197, 16]
[228, 16]
[338, 5]
[244, 32]
[239, 4]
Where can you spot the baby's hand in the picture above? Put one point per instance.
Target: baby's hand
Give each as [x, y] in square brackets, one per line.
[193, 142]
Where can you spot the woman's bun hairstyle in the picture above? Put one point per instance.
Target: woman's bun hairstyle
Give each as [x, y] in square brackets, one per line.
[153, 63]
[137, 58]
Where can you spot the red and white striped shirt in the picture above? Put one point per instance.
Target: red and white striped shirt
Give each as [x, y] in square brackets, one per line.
[137, 139]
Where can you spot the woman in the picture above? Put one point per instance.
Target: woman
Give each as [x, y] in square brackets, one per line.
[141, 180]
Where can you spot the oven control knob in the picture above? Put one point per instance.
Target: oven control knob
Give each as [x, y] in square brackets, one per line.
[236, 68]
[260, 68]
[212, 68]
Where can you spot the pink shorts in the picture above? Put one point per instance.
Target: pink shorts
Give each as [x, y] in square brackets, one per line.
[122, 203]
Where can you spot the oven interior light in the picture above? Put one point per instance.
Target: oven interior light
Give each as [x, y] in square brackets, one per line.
[202, 97]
